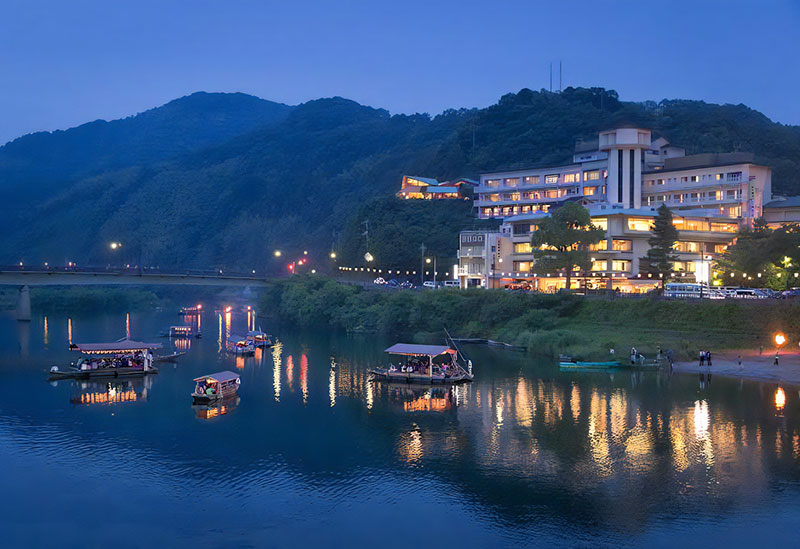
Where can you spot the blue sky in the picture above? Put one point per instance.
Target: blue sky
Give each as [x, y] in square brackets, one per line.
[63, 63]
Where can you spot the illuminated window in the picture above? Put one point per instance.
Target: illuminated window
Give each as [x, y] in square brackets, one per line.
[599, 247]
[572, 178]
[720, 248]
[734, 194]
[494, 197]
[512, 181]
[551, 179]
[688, 247]
[622, 245]
[694, 179]
[515, 196]
[717, 195]
[526, 209]
[523, 248]
[660, 181]
[719, 177]
[724, 227]
[690, 224]
[522, 266]
[639, 224]
[589, 191]
[551, 194]
[600, 223]
[735, 211]
[492, 182]
[619, 265]
[599, 265]
[531, 179]
[591, 175]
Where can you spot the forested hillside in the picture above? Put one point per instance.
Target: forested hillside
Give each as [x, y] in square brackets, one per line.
[226, 191]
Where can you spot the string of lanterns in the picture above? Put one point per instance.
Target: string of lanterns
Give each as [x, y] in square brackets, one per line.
[398, 272]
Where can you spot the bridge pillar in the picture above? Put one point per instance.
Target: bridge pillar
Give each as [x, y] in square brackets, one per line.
[24, 304]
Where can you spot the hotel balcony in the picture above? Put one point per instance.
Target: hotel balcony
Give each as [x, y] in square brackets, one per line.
[470, 254]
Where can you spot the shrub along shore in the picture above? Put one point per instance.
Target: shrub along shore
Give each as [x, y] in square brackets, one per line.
[544, 324]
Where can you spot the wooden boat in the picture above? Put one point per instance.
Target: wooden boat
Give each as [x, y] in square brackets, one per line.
[191, 311]
[120, 358]
[172, 357]
[182, 332]
[238, 345]
[259, 338]
[214, 387]
[423, 364]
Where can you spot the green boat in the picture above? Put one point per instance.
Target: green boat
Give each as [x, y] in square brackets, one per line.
[589, 365]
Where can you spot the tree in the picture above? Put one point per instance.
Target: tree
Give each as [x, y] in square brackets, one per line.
[661, 256]
[562, 240]
[761, 250]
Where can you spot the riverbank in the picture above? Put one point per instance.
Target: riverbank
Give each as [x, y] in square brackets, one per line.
[544, 324]
[755, 365]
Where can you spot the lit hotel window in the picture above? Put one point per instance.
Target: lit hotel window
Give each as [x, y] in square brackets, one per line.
[512, 181]
[572, 178]
[622, 245]
[589, 191]
[599, 247]
[523, 248]
[599, 265]
[620, 266]
[725, 227]
[600, 223]
[492, 182]
[591, 175]
[515, 196]
[551, 179]
[531, 179]
[638, 224]
[719, 177]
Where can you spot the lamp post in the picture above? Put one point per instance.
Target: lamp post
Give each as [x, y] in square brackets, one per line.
[428, 261]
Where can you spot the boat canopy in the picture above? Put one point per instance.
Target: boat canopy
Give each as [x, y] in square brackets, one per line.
[219, 377]
[181, 328]
[411, 349]
[237, 338]
[122, 346]
[256, 333]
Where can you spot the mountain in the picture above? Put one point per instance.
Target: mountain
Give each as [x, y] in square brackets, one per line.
[305, 177]
[50, 159]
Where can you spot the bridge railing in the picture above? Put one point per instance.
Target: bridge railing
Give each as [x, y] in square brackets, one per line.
[133, 271]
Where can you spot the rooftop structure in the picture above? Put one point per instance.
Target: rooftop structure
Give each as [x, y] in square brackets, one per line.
[430, 189]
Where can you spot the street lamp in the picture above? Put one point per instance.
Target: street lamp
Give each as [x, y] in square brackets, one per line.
[115, 245]
[368, 257]
[428, 261]
[277, 253]
[333, 255]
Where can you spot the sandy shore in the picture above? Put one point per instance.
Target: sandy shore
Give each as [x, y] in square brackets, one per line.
[754, 365]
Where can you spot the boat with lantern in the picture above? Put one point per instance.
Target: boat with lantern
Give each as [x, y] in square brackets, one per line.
[182, 331]
[213, 387]
[423, 364]
[259, 338]
[191, 311]
[239, 345]
[125, 357]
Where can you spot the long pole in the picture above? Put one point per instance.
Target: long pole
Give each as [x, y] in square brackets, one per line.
[434, 272]
[422, 265]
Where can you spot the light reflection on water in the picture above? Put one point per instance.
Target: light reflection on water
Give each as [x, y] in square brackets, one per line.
[523, 451]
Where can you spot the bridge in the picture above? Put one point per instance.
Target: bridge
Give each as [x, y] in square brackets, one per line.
[72, 276]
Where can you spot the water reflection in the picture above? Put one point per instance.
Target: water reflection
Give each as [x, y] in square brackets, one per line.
[46, 334]
[524, 447]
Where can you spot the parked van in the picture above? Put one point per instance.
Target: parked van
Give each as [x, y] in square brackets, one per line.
[750, 293]
[451, 284]
[429, 284]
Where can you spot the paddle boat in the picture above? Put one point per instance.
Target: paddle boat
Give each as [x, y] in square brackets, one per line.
[120, 358]
[213, 387]
[423, 364]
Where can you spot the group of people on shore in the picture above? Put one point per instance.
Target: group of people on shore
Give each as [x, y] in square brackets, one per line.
[705, 358]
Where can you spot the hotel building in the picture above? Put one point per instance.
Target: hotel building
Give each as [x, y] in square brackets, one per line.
[427, 188]
[622, 178]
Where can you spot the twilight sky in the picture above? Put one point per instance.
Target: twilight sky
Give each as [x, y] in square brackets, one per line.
[63, 63]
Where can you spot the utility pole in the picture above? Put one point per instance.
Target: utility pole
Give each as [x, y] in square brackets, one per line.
[366, 231]
[422, 264]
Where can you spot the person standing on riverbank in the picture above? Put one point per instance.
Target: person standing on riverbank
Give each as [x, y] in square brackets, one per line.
[702, 357]
[740, 361]
[708, 358]
[776, 359]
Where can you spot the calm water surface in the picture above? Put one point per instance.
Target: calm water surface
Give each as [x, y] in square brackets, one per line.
[315, 455]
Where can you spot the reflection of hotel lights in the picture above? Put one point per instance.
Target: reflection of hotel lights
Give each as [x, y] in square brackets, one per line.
[46, 336]
[701, 419]
[304, 377]
[112, 396]
[422, 404]
[332, 387]
[69, 330]
[780, 399]
[276, 370]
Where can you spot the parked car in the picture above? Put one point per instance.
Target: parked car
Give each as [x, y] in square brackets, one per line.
[790, 294]
[393, 283]
[429, 284]
[451, 284]
[749, 293]
[380, 281]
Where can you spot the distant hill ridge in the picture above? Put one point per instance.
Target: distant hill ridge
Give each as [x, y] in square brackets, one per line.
[225, 179]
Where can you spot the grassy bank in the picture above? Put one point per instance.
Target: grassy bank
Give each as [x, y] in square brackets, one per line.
[546, 324]
[93, 298]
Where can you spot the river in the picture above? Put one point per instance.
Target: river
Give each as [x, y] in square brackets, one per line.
[312, 453]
